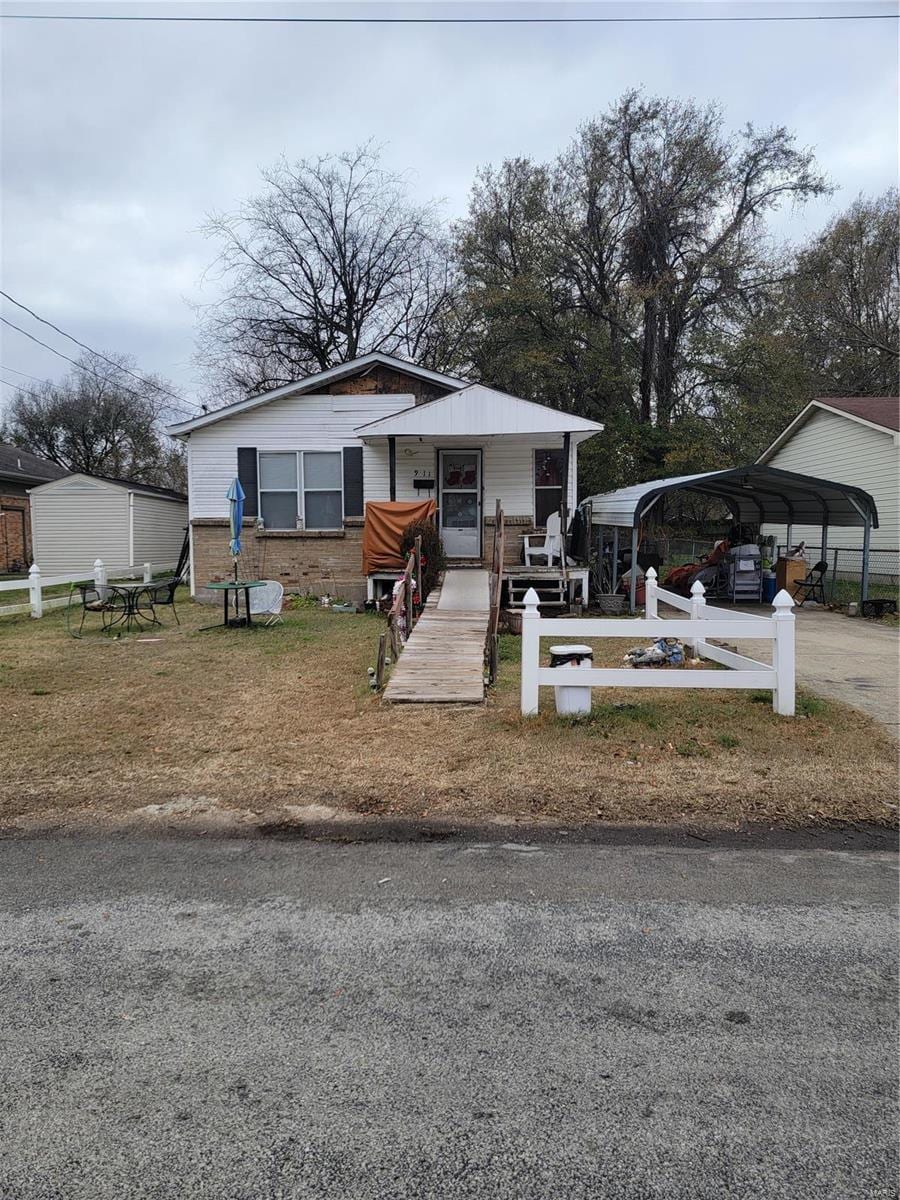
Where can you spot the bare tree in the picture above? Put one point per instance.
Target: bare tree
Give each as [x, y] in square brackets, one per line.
[330, 261]
[100, 420]
[845, 300]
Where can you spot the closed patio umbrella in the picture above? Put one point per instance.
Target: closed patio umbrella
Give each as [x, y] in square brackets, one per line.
[235, 498]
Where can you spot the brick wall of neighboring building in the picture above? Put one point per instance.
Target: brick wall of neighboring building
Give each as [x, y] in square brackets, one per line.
[15, 531]
[303, 561]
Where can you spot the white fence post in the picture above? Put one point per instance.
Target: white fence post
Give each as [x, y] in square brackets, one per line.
[650, 588]
[34, 591]
[100, 578]
[698, 612]
[148, 572]
[531, 653]
[784, 692]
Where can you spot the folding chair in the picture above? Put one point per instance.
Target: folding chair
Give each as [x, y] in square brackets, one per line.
[813, 586]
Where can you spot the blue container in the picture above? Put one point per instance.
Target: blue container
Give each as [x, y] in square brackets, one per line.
[769, 589]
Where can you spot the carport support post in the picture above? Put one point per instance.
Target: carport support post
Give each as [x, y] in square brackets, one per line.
[632, 601]
[784, 692]
[864, 586]
[531, 654]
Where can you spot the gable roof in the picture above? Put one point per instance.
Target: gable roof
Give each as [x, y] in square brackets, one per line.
[21, 465]
[878, 412]
[145, 489]
[477, 411]
[322, 378]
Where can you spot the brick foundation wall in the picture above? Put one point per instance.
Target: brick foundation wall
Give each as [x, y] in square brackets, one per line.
[303, 561]
[15, 531]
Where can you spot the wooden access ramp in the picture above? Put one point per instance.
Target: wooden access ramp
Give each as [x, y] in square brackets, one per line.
[443, 659]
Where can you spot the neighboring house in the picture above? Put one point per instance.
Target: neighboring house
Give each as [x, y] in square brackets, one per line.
[19, 471]
[853, 440]
[80, 518]
[311, 454]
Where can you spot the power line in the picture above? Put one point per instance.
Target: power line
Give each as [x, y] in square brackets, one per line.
[448, 20]
[90, 349]
[19, 388]
[79, 366]
[24, 374]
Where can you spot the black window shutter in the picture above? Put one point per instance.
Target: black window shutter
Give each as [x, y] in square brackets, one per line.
[247, 475]
[353, 481]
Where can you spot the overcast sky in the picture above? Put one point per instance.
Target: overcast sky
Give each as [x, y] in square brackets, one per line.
[118, 138]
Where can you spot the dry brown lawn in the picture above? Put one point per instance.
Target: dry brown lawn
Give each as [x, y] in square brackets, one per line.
[261, 721]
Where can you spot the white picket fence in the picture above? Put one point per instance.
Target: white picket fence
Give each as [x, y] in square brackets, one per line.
[703, 622]
[100, 575]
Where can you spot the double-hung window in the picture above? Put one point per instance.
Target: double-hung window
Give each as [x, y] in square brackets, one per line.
[548, 484]
[302, 487]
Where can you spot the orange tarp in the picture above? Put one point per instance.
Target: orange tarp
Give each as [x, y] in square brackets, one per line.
[386, 521]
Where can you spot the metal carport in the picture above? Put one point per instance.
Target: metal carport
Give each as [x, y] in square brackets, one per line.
[754, 495]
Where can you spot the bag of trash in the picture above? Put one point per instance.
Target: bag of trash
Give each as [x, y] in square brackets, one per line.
[664, 652]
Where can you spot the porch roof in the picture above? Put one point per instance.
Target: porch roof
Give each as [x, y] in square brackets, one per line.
[478, 411]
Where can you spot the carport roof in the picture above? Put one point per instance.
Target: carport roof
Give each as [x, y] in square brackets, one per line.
[756, 494]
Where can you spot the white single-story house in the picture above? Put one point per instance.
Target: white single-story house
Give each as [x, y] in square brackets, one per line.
[80, 518]
[855, 439]
[311, 454]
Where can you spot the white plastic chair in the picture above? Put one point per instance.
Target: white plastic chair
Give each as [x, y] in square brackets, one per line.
[550, 546]
[266, 601]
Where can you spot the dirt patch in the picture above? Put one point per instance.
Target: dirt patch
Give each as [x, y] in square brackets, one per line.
[256, 725]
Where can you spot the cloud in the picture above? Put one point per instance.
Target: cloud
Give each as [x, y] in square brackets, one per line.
[117, 139]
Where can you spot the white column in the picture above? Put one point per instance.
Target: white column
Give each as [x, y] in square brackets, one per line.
[531, 653]
[650, 597]
[698, 613]
[783, 661]
[148, 572]
[100, 578]
[34, 591]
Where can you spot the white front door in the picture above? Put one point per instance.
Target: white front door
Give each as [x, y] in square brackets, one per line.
[460, 501]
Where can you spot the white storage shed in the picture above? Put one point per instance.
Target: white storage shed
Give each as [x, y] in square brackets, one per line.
[80, 518]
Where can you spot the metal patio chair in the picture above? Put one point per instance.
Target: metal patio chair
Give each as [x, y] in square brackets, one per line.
[90, 600]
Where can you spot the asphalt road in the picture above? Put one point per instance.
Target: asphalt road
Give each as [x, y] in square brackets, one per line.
[274, 1019]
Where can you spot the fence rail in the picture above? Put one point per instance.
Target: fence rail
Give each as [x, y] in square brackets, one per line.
[99, 575]
[703, 622]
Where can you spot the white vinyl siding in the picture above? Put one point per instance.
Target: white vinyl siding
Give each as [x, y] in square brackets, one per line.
[159, 526]
[292, 423]
[76, 521]
[833, 447]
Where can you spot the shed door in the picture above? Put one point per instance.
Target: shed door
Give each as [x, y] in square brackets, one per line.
[460, 500]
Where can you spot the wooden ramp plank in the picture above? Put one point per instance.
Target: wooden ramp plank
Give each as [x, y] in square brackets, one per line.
[443, 659]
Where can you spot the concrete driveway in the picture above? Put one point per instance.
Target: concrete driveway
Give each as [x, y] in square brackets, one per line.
[846, 658]
[252, 1020]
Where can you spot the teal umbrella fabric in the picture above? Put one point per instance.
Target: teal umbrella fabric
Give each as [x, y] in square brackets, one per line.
[235, 498]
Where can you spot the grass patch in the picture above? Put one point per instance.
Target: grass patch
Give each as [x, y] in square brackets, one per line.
[811, 706]
[254, 720]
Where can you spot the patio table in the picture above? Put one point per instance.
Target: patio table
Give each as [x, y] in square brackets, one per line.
[226, 587]
[131, 612]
